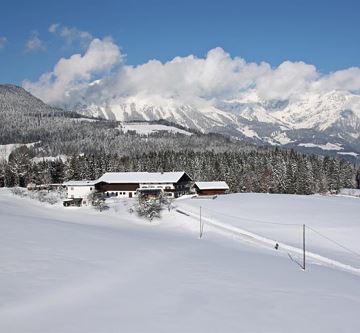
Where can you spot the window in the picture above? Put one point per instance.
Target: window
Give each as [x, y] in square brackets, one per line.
[90, 188]
[167, 187]
[117, 193]
[71, 188]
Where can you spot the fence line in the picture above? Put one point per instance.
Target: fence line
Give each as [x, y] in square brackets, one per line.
[288, 224]
[333, 241]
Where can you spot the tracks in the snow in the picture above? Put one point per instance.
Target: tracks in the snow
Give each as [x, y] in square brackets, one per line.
[270, 243]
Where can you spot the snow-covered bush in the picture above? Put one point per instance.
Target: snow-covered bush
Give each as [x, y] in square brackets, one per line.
[150, 207]
[19, 191]
[100, 204]
[350, 192]
[97, 201]
[48, 196]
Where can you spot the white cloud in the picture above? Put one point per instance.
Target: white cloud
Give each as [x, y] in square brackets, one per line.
[71, 35]
[54, 27]
[216, 75]
[185, 79]
[289, 80]
[74, 73]
[3, 41]
[34, 43]
[347, 79]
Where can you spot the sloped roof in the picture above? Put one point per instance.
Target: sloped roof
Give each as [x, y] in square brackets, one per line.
[80, 183]
[141, 177]
[212, 185]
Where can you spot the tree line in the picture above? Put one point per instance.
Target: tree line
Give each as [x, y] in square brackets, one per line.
[275, 170]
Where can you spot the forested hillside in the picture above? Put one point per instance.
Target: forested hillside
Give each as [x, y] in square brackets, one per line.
[26, 119]
[94, 147]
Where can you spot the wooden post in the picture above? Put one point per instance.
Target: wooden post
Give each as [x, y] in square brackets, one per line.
[303, 246]
[200, 224]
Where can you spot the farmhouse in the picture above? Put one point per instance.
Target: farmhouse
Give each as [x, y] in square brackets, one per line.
[211, 188]
[126, 184]
[78, 192]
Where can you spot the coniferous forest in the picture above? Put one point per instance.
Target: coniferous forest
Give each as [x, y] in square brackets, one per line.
[275, 170]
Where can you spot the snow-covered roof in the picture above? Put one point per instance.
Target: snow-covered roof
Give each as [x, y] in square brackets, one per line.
[80, 183]
[141, 177]
[212, 185]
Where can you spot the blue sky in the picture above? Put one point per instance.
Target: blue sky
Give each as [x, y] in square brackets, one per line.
[323, 33]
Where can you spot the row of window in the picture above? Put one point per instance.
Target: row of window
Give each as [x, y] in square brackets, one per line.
[117, 193]
[166, 187]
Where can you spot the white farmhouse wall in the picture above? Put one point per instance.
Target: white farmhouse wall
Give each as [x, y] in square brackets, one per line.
[80, 191]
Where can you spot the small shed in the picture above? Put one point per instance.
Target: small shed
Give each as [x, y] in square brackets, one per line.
[72, 202]
[211, 188]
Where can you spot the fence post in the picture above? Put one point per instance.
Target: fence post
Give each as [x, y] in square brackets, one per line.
[303, 246]
[200, 224]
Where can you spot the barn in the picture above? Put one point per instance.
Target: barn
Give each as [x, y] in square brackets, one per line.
[126, 184]
[211, 188]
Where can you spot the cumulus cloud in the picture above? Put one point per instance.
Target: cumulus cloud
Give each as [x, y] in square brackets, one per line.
[71, 35]
[216, 75]
[189, 79]
[347, 79]
[34, 43]
[3, 41]
[75, 73]
[287, 81]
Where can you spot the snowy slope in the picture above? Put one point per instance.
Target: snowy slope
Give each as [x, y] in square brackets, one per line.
[146, 128]
[316, 118]
[76, 270]
[280, 218]
[6, 150]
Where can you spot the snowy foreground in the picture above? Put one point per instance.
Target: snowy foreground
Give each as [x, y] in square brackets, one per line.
[332, 223]
[77, 270]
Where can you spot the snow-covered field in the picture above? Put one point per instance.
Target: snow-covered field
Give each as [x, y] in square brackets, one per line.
[146, 128]
[327, 146]
[49, 158]
[78, 270]
[328, 219]
[6, 150]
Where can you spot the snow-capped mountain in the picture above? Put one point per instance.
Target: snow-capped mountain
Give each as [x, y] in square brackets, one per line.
[320, 123]
[329, 121]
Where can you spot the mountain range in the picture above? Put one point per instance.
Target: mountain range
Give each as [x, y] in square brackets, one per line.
[319, 123]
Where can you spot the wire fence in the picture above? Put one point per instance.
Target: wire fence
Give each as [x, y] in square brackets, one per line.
[243, 220]
[333, 241]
